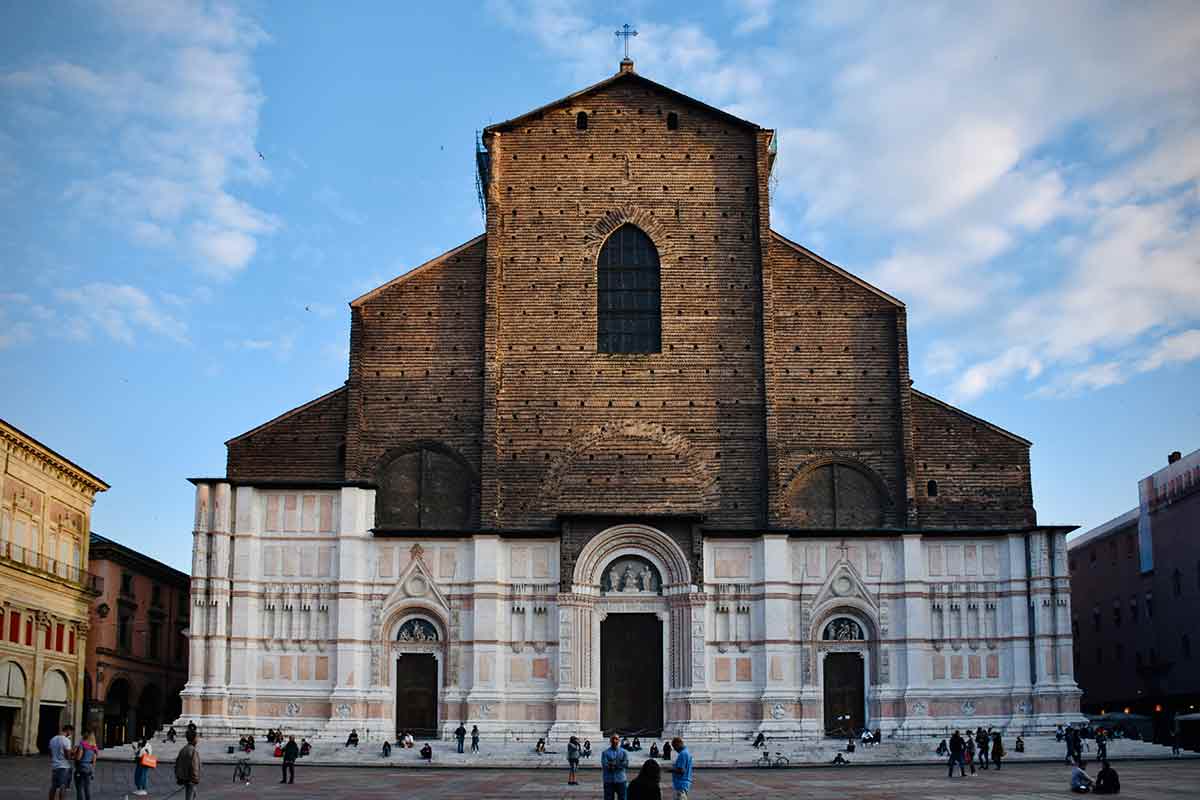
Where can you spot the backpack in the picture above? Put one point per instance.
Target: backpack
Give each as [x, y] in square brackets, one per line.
[183, 764]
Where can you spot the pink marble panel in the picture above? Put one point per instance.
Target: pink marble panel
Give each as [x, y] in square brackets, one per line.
[519, 561]
[305, 665]
[541, 669]
[971, 560]
[973, 667]
[778, 668]
[289, 561]
[326, 514]
[273, 512]
[954, 559]
[744, 670]
[939, 666]
[266, 668]
[993, 665]
[723, 669]
[935, 559]
[291, 513]
[387, 556]
[308, 514]
[285, 668]
[308, 560]
[813, 557]
[990, 560]
[956, 667]
[874, 560]
[321, 672]
[518, 669]
[541, 562]
[447, 562]
[325, 561]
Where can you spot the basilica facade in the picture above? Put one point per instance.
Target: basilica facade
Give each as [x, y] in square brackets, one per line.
[629, 460]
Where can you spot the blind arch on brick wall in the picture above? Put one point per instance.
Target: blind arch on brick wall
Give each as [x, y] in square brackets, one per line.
[628, 293]
[424, 487]
[837, 494]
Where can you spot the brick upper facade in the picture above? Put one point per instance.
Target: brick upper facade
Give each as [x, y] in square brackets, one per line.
[782, 383]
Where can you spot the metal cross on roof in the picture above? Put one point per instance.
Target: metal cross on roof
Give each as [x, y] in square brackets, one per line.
[625, 33]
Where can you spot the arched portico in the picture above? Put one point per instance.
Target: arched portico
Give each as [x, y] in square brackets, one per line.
[414, 638]
[845, 638]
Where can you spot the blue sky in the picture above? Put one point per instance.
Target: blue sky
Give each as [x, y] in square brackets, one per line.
[1023, 175]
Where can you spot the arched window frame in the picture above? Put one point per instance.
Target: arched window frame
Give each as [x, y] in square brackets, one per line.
[425, 450]
[628, 293]
[581, 121]
[672, 121]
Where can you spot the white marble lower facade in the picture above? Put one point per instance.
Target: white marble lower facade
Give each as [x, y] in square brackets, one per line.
[301, 615]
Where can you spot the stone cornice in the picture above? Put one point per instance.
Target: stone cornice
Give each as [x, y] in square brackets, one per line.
[64, 469]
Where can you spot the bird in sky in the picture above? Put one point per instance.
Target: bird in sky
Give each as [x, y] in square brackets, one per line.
[261, 156]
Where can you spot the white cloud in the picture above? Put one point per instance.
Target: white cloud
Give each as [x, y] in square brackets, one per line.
[120, 311]
[281, 346]
[167, 129]
[1176, 349]
[335, 204]
[756, 15]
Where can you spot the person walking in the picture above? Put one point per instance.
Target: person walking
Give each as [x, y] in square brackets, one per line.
[969, 751]
[291, 751]
[613, 764]
[997, 749]
[981, 746]
[681, 773]
[141, 771]
[956, 756]
[474, 738]
[60, 762]
[187, 766]
[646, 785]
[573, 751]
[460, 734]
[85, 765]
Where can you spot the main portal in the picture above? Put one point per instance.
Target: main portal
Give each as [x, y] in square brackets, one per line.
[631, 674]
[416, 694]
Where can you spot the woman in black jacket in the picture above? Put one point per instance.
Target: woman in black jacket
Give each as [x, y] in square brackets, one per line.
[645, 785]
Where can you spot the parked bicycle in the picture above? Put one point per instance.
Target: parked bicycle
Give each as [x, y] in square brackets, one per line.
[765, 760]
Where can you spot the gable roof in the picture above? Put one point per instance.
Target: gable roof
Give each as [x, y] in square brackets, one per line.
[358, 301]
[972, 417]
[623, 75]
[830, 265]
[285, 415]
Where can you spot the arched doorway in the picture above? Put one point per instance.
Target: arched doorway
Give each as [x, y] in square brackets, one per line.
[844, 676]
[631, 649]
[116, 713]
[417, 649]
[12, 701]
[55, 699]
[149, 711]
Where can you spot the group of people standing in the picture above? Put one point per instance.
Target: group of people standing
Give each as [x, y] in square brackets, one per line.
[614, 765]
[966, 751]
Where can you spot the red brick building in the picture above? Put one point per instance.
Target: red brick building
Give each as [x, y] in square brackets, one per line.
[1135, 584]
[137, 652]
[629, 419]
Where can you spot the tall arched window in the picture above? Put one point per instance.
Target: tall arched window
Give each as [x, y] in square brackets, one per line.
[837, 496]
[424, 488]
[628, 299]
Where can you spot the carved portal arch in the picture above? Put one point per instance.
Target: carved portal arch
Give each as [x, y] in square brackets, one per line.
[632, 540]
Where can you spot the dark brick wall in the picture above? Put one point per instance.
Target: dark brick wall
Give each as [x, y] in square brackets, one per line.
[686, 424]
[303, 444]
[982, 474]
[772, 359]
[834, 387]
[416, 363]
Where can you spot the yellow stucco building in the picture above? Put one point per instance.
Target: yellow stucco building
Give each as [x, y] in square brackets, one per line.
[45, 590]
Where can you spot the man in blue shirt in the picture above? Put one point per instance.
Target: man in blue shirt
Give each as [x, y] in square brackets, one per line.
[681, 773]
[614, 761]
[60, 762]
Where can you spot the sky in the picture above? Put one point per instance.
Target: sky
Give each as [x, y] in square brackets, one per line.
[191, 193]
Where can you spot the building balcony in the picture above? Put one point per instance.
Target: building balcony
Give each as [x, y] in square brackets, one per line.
[34, 561]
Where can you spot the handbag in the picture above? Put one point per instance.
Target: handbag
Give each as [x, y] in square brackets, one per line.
[148, 761]
[278, 751]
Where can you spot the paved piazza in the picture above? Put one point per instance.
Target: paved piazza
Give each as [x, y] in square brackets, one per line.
[26, 779]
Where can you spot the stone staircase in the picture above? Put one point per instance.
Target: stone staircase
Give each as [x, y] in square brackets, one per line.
[520, 755]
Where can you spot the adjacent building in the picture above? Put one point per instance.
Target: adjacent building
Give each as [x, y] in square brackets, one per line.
[1135, 584]
[137, 652]
[628, 460]
[45, 590]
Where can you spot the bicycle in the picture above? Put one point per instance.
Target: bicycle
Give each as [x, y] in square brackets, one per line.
[765, 760]
[241, 771]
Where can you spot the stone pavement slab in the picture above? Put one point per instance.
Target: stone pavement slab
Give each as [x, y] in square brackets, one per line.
[27, 779]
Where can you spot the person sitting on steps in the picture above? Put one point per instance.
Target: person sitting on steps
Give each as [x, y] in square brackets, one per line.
[352, 739]
[1107, 781]
[760, 740]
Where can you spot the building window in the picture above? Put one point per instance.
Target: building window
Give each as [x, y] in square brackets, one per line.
[14, 627]
[628, 299]
[1177, 581]
[152, 638]
[581, 121]
[124, 632]
[127, 584]
[931, 489]
[672, 121]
